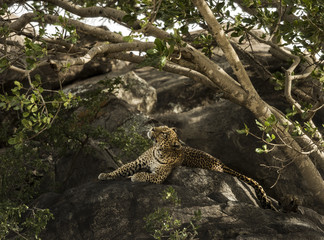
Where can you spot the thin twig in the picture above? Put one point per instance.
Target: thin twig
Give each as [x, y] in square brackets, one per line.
[280, 14]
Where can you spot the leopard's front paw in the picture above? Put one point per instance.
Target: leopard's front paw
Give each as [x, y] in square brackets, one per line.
[104, 176]
[139, 177]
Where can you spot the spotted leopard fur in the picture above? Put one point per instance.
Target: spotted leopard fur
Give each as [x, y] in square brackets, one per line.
[168, 153]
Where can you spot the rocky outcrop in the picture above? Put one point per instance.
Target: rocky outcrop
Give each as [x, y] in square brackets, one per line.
[85, 208]
[116, 210]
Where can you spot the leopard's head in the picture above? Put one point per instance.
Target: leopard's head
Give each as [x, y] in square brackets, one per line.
[164, 137]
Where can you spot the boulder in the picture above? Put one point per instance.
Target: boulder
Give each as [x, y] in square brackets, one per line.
[137, 92]
[116, 209]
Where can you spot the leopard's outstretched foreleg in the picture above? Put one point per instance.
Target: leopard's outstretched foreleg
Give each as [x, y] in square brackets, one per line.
[129, 168]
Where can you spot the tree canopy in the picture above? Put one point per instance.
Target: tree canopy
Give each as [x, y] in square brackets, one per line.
[163, 34]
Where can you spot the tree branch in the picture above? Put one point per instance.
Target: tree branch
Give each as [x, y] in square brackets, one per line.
[103, 48]
[111, 13]
[216, 74]
[169, 67]
[289, 77]
[266, 4]
[100, 33]
[225, 45]
[94, 11]
[276, 27]
[288, 84]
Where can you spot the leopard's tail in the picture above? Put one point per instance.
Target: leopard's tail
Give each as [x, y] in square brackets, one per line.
[261, 194]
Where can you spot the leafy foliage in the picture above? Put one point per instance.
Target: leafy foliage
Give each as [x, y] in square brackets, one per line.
[20, 173]
[266, 128]
[35, 113]
[163, 51]
[11, 220]
[162, 225]
[24, 165]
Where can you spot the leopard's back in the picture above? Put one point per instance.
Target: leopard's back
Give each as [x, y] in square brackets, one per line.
[199, 159]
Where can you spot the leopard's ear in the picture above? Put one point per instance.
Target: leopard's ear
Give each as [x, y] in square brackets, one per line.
[174, 129]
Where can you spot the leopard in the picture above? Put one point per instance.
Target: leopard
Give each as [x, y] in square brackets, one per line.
[168, 152]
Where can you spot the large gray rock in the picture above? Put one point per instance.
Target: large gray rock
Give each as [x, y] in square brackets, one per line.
[137, 92]
[116, 209]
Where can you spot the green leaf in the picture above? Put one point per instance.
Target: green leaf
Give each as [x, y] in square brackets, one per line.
[219, 6]
[270, 137]
[259, 150]
[18, 84]
[160, 46]
[152, 51]
[55, 104]
[129, 19]
[12, 141]
[241, 39]
[241, 131]
[128, 38]
[34, 108]
[66, 104]
[27, 123]
[245, 131]
[163, 61]
[260, 125]
[272, 119]
[266, 123]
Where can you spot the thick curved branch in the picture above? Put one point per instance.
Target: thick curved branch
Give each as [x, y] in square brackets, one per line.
[94, 11]
[100, 33]
[225, 45]
[169, 67]
[21, 22]
[216, 74]
[111, 13]
[102, 48]
[195, 75]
